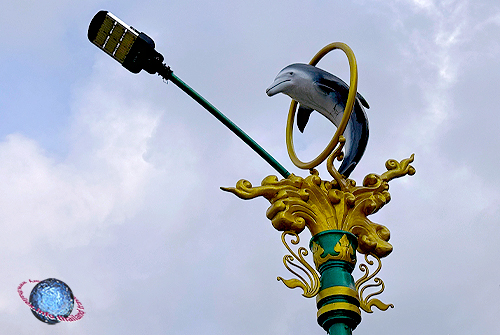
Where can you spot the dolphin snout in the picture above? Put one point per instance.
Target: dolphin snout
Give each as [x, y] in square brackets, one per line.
[269, 92]
[276, 87]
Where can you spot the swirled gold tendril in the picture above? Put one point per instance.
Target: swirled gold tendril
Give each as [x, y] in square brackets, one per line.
[367, 302]
[310, 286]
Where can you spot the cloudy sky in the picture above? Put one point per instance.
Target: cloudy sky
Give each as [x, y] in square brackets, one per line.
[110, 180]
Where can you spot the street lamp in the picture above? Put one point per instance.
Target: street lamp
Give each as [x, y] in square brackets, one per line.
[136, 51]
[334, 211]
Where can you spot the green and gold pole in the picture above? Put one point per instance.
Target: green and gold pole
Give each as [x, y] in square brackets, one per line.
[337, 300]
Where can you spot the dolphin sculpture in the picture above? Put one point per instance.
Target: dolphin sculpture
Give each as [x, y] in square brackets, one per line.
[316, 89]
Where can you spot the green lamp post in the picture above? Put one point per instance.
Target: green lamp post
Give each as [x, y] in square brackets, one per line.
[335, 211]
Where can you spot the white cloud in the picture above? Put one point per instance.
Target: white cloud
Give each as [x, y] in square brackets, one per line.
[100, 183]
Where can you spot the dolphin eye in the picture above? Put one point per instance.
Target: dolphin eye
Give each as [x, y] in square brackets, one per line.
[290, 73]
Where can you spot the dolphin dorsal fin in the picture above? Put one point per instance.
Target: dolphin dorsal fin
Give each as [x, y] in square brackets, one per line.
[362, 100]
[303, 114]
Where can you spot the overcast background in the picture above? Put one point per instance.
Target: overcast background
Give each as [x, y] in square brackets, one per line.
[110, 181]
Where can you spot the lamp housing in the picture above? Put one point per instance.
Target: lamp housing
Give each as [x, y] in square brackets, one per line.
[133, 49]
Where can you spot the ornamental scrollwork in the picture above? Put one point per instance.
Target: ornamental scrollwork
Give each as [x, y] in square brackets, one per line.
[367, 302]
[319, 205]
[310, 286]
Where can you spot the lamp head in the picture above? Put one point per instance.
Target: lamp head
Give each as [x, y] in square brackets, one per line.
[131, 48]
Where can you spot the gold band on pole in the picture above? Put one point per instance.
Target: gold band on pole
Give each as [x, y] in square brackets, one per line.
[336, 290]
[338, 306]
[347, 112]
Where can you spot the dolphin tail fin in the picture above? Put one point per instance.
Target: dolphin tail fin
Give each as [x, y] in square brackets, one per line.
[356, 134]
[303, 115]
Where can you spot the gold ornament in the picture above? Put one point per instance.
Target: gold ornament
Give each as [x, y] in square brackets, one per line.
[343, 247]
[367, 303]
[311, 286]
[297, 203]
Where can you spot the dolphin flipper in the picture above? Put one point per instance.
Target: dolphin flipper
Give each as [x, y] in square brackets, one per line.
[303, 114]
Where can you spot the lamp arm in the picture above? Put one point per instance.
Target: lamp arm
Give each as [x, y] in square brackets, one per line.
[166, 73]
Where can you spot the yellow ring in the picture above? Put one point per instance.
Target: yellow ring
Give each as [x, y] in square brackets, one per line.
[347, 112]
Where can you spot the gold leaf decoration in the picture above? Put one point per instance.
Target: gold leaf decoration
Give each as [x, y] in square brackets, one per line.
[343, 247]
